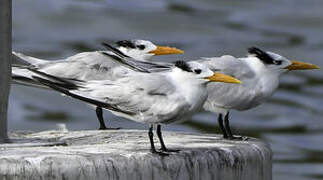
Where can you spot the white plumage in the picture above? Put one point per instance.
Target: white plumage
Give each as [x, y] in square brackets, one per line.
[90, 65]
[170, 95]
[259, 72]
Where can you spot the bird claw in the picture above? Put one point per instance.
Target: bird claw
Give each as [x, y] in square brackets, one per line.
[237, 138]
[160, 153]
[169, 150]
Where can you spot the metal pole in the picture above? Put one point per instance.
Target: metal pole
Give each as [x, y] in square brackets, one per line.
[5, 64]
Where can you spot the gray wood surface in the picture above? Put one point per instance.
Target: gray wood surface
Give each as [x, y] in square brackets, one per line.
[124, 154]
[5, 64]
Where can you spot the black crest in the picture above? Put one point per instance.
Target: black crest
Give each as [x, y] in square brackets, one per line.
[183, 65]
[126, 44]
[262, 55]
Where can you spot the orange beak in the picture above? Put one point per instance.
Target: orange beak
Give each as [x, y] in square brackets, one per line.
[218, 77]
[164, 50]
[297, 65]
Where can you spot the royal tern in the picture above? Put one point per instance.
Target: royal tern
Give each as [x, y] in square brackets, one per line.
[259, 72]
[90, 65]
[171, 94]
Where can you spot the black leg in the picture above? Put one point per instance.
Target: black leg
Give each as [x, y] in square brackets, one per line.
[152, 145]
[220, 121]
[227, 127]
[159, 134]
[162, 144]
[151, 139]
[99, 114]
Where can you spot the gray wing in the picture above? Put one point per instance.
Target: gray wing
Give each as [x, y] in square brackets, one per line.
[82, 66]
[150, 98]
[143, 97]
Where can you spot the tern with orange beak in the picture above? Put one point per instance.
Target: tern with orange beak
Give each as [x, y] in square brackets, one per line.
[172, 93]
[89, 65]
[259, 72]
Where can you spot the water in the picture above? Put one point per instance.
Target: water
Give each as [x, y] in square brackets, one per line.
[291, 121]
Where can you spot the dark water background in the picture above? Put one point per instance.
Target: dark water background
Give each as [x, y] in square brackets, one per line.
[291, 121]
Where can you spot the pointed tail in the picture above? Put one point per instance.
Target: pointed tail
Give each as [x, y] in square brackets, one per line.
[23, 76]
[27, 60]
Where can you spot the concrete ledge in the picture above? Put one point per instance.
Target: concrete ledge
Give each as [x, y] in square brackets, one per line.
[124, 154]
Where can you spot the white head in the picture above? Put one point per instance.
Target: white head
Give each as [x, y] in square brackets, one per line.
[200, 73]
[144, 50]
[275, 63]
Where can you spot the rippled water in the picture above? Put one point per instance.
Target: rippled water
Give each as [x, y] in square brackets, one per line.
[291, 121]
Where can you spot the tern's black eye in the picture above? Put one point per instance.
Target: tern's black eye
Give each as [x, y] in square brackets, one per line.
[278, 62]
[197, 71]
[141, 47]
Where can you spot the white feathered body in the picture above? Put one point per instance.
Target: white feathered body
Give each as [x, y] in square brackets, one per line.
[149, 98]
[257, 86]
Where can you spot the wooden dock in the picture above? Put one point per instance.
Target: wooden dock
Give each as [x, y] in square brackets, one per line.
[124, 155]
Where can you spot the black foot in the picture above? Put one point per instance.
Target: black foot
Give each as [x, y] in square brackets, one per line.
[237, 138]
[244, 138]
[105, 128]
[169, 150]
[160, 153]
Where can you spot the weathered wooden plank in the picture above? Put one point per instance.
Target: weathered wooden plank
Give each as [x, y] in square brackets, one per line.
[124, 154]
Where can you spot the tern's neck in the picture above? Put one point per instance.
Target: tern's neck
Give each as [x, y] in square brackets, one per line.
[191, 88]
[260, 69]
[255, 65]
[265, 79]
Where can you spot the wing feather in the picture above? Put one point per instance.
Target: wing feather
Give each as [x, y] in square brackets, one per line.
[149, 98]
